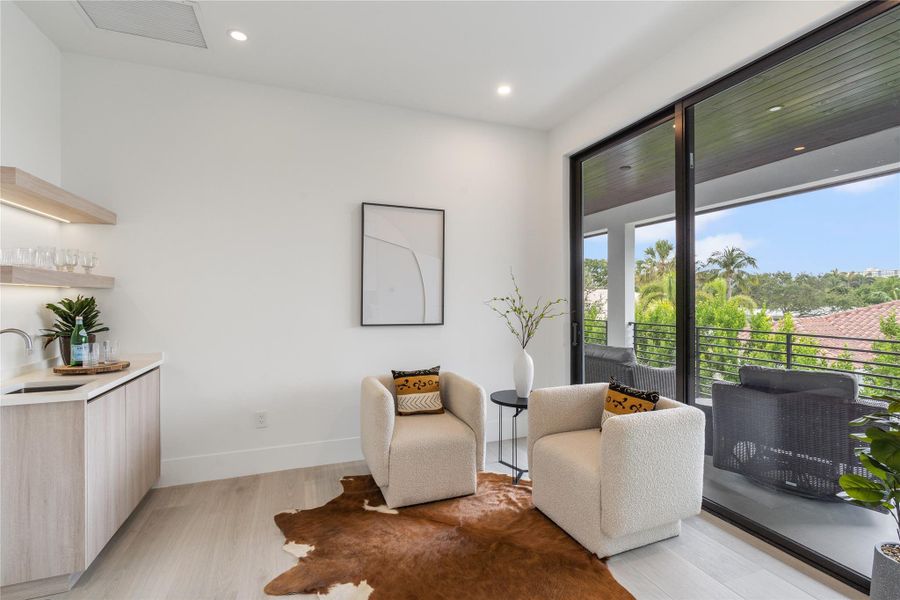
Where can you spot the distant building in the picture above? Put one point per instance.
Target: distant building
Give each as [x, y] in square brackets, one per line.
[871, 272]
[861, 322]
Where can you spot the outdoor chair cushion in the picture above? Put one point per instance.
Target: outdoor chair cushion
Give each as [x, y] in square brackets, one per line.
[837, 385]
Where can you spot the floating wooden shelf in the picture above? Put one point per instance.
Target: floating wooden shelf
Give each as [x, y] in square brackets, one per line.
[24, 190]
[44, 277]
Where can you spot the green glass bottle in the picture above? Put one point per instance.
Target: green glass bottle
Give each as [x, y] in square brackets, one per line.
[78, 343]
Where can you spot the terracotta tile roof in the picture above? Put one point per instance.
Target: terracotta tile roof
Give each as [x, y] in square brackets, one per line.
[855, 323]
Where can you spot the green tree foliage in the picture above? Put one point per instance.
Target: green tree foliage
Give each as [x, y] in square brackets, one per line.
[805, 294]
[733, 332]
[595, 278]
[595, 273]
[658, 260]
[661, 290]
[730, 264]
[886, 371]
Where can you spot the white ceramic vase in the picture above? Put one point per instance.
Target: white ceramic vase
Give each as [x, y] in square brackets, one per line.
[523, 374]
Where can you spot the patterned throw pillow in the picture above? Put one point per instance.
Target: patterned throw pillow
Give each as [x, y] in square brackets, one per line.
[624, 400]
[418, 392]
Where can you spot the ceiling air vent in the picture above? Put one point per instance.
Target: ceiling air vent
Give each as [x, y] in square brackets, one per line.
[164, 20]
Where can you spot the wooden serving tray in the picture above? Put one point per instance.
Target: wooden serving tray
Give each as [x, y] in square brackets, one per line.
[102, 368]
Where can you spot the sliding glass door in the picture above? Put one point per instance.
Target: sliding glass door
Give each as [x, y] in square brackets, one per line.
[797, 247]
[741, 252]
[627, 197]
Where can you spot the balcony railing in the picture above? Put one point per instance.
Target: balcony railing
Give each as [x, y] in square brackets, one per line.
[720, 351]
[595, 332]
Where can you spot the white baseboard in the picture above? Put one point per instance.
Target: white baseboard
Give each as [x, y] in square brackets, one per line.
[237, 463]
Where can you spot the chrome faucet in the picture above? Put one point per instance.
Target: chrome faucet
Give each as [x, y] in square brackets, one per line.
[29, 343]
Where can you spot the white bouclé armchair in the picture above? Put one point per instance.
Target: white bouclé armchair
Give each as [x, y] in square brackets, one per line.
[625, 487]
[427, 457]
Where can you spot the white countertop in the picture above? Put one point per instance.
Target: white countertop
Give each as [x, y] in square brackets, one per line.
[92, 385]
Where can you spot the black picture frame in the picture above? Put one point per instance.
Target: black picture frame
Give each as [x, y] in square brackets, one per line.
[362, 265]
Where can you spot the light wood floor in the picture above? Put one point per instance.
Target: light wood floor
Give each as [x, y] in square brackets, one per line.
[216, 540]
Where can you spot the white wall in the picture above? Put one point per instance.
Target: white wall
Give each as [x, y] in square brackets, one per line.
[746, 32]
[29, 139]
[237, 250]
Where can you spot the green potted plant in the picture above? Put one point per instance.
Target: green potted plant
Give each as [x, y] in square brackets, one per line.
[66, 310]
[881, 491]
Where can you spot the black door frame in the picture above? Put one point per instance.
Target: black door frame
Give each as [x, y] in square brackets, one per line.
[682, 112]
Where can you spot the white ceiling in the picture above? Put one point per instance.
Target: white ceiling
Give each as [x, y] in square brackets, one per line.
[443, 57]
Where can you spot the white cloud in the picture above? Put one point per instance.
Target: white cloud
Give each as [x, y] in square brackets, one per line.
[703, 221]
[666, 230]
[865, 186]
[706, 246]
[657, 231]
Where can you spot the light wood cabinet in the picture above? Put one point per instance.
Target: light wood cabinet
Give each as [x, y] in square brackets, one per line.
[42, 534]
[106, 472]
[142, 436]
[72, 473]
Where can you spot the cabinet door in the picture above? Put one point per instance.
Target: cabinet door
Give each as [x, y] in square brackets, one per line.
[106, 483]
[142, 435]
[42, 533]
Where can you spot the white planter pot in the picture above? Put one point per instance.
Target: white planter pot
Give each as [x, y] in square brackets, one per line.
[523, 374]
[885, 576]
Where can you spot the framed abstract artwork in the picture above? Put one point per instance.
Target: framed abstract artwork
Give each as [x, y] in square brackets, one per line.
[402, 265]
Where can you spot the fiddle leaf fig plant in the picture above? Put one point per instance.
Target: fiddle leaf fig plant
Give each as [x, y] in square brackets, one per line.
[66, 310]
[881, 458]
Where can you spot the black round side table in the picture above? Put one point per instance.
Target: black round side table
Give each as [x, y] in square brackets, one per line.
[508, 398]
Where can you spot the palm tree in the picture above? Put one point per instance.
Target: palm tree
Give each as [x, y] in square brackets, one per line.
[731, 265]
[660, 290]
[657, 261]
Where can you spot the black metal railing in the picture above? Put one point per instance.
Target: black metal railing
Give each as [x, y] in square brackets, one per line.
[595, 332]
[720, 351]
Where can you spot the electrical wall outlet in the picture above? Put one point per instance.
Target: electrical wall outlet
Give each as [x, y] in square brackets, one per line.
[261, 419]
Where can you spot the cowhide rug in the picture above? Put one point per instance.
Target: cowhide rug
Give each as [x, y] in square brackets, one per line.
[491, 545]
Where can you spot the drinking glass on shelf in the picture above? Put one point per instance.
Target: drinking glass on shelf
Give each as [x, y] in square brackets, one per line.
[9, 256]
[92, 355]
[71, 259]
[88, 261]
[44, 257]
[59, 259]
[25, 257]
[110, 351]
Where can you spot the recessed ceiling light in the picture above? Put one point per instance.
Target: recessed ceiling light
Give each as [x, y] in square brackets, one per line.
[238, 36]
[799, 148]
[504, 90]
[775, 108]
[625, 168]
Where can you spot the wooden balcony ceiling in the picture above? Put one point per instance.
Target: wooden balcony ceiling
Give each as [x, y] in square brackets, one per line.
[845, 88]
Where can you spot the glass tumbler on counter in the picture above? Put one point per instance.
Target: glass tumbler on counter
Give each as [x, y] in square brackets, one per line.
[92, 356]
[110, 351]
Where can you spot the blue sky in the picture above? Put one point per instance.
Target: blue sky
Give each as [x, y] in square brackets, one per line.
[849, 228]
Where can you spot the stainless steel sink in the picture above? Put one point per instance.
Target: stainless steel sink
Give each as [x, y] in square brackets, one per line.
[42, 387]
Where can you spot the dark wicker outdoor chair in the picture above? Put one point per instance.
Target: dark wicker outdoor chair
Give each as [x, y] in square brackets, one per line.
[788, 429]
[601, 363]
